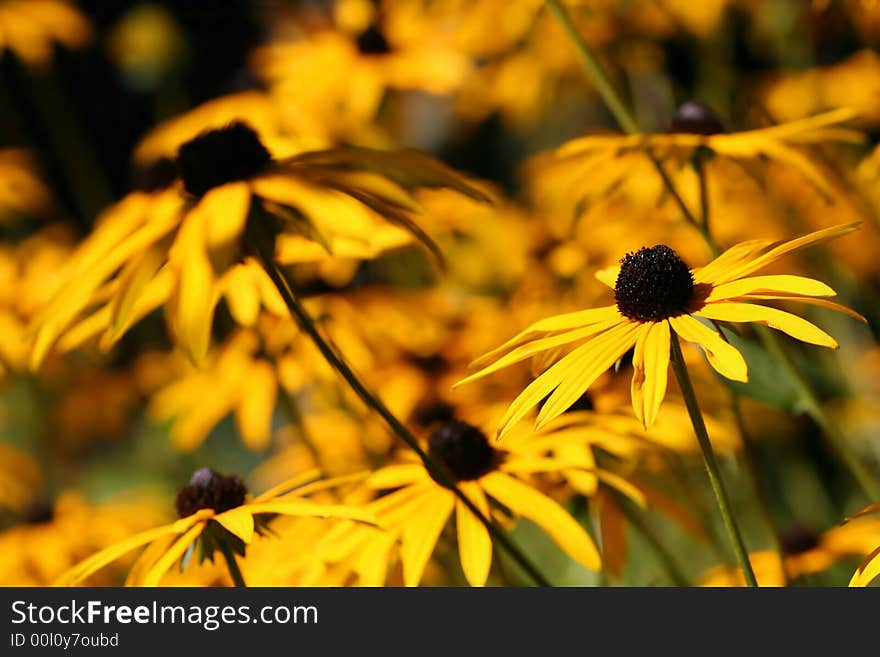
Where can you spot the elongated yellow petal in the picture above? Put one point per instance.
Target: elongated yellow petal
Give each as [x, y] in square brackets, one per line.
[801, 329]
[779, 284]
[239, 521]
[868, 571]
[254, 413]
[133, 281]
[588, 366]
[395, 476]
[100, 559]
[650, 370]
[474, 542]
[421, 531]
[524, 500]
[194, 306]
[242, 294]
[311, 510]
[779, 250]
[154, 575]
[566, 322]
[226, 209]
[723, 357]
[716, 272]
[543, 344]
[822, 303]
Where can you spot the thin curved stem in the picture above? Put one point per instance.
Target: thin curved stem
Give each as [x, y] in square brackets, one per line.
[693, 407]
[436, 469]
[604, 86]
[232, 565]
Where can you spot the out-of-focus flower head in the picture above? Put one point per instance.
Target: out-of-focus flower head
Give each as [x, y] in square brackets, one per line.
[216, 514]
[145, 43]
[50, 537]
[22, 191]
[30, 28]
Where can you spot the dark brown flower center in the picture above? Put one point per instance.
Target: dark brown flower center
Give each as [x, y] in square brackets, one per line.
[158, 176]
[221, 156]
[798, 539]
[38, 512]
[372, 42]
[210, 490]
[654, 284]
[695, 118]
[464, 450]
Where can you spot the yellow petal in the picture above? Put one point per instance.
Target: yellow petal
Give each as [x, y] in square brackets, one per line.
[420, 533]
[543, 344]
[524, 500]
[474, 543]
[226, 210]
[100, 559]
[868, 571]
[194, 304]
[566, 322]
[395, 476]
[239, 521]
[801, 329]
[650, 370]
[254, 413]
[587, 367]
[723, 357]
[779, 284]
[154, 575]
[308, 509]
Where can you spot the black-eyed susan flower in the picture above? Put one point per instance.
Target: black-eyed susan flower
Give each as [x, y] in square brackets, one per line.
[806, 552]
[216, 514]
[415, 508]
[657, 295]
[30, 28]
[592, 166]
[176, 246]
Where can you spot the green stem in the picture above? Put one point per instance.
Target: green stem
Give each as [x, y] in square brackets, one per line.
[813, 408]
[436, 469]
[604, 86]
[693, 407]
[232, 565]
[663, 555]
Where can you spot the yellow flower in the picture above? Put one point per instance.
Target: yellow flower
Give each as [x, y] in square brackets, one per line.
[418, 508]
[215, 514]
[22, 192]
[656, 294]
[29, 28]
[806, 553]
[50, 537]
[187, 245]
[595, 164]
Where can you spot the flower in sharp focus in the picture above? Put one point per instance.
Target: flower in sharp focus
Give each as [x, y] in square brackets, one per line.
[29, 28]
[176, 246]
[657, 295]
[216, 513]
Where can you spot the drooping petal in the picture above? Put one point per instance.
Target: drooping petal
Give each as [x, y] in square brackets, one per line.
[543, 344]
[565, 322]
[154, 575]
[868, 571]
[420, 533]
[796, 327]
[100, 559]
[723, 357]
[650, 371]
[587, 367]
[524, 500]
[254, 414]
[474, 542]
[239, 521]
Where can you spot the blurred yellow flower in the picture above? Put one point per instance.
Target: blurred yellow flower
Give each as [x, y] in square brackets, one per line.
[22, 192]
[29, 28]
[215, 515]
